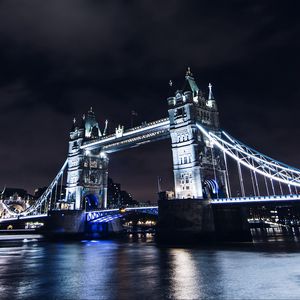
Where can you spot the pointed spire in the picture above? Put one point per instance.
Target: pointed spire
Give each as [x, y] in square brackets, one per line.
[190, 84]
[210, 94]
[170, 83]
[189, 72]
[74, 125]
[4, 188]
[91, 109]
[105, 128]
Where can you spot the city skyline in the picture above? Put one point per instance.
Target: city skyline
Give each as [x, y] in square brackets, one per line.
[53, 71]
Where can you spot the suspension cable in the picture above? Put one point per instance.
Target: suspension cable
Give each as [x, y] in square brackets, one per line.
[61, 185]
[213, 163]
[272, 184]
[266, 184]
[280, 187]
[55, 197]
[253, 187]
[283, 177]
[241, 178]
[256, 183]
[227, 176]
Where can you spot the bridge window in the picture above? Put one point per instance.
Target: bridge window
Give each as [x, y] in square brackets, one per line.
[185, 160]
[93, 164]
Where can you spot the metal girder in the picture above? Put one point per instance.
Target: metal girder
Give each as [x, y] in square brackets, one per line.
[254, 160]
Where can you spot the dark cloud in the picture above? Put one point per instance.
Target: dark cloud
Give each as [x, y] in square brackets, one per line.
[60, 57]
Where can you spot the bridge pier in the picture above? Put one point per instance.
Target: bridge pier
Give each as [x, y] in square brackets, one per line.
[231, 223]
[185, 220]
[65, 223]
[196, 220]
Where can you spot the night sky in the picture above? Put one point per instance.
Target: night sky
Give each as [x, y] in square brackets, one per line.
[59, 57]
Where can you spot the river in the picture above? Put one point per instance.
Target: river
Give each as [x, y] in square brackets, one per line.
[138, 268]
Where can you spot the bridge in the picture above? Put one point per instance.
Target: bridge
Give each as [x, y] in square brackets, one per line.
[209, 164]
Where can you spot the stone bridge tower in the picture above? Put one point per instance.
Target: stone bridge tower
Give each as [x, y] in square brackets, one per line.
[87, 169]
[199, 170]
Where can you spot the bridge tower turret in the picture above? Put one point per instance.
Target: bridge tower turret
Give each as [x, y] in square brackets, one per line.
[198, 168]
[87, 169]
[74, 187]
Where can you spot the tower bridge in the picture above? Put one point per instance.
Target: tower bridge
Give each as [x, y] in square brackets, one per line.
[202, 155]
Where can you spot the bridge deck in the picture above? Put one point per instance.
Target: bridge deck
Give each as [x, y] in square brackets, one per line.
[132, 137]
[92, 215]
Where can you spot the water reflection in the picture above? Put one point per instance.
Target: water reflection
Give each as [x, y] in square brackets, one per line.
[138, 268]
[185, 278]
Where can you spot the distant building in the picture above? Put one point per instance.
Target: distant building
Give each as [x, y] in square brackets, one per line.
[166, 195]
[16, 199]
[116, 197]
[15, 194]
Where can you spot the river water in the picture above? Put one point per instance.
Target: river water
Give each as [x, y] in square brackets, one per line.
[138, 268]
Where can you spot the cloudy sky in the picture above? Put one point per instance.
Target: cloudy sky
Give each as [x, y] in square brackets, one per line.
[59, 57]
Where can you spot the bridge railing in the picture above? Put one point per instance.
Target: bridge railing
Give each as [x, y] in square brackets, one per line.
[128, 132]
[257, 199]
[101, 214]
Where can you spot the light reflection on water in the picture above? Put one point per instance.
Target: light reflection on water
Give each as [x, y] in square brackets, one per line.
[138, 268]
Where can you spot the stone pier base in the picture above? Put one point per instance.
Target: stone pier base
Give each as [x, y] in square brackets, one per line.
[185, 220]
[231, 223]
[65, 224]
[196, 220]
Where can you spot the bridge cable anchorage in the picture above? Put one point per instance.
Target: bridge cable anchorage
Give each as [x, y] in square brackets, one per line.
[257, 162]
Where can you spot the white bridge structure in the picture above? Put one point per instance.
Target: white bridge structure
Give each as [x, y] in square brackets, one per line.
[208, 163]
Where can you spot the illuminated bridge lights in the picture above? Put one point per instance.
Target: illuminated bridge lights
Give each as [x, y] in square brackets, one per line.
[20, 217]
[154, 128]
[254, 160]
[257, 199]
[106, 213]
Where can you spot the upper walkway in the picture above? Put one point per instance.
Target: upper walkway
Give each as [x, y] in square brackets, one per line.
[132, 137]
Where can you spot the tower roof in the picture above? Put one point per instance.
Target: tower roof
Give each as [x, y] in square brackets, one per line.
[190, 84]
[91, 125]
